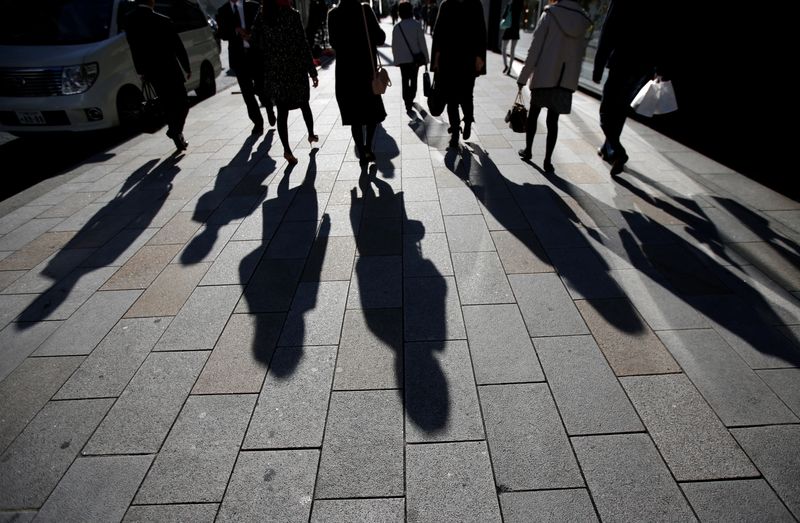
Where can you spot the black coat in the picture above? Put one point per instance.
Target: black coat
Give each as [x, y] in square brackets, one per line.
[459, 37]
[354, 64]
[226, 28]
[157, 51]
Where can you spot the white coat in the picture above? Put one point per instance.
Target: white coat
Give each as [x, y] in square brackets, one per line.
[416, 40]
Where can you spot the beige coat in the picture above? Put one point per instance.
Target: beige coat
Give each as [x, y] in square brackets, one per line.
[556, 52]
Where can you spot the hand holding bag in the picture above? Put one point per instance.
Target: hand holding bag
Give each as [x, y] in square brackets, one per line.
[427, 88]
[380, 77]
[655, 97]
[151, 117]
[517, 116]
[436, 100]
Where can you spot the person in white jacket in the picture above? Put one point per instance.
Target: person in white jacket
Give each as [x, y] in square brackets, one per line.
[553, 65]
[408, 43]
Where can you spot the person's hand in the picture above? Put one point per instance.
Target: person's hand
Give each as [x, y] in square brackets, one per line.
[597, 76]
[435, 63]
[315, 81]
[479, 63]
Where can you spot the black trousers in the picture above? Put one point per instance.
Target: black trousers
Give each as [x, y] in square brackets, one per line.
[621, 86]
[250, 75]
[459, 93]
[174, 101]
[408, 77]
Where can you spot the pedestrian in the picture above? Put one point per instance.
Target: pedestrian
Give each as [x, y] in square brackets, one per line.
[288, 64]
[408, 45]
[393, 11]
[235, 20]
[459, 56]
[160, 58]
[554, 65]
[630, 46]
[354, 35]
[511, 33]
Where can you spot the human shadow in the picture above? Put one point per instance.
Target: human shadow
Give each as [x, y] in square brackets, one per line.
[550, 230]
[235, 194]
[402, 298]
[106, 236]
[271, 273]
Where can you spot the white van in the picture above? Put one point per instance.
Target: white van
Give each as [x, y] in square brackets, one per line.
[66, 65]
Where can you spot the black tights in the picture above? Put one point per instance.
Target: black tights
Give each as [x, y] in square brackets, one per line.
[283, 128]
[358, 137]
[552, 131]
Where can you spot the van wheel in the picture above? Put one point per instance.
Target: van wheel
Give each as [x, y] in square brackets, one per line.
[129, 106]
[208, 84]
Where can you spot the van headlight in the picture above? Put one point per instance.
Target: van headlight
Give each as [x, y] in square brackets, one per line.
[76, 79]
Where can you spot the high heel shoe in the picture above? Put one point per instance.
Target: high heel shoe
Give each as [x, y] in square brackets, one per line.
[312, 138]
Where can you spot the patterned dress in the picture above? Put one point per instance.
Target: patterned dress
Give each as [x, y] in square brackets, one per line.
[287, 58]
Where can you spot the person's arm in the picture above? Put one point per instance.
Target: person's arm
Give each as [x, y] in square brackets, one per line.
[537, 46]
[480, 40]
[376, 34]
[606, 44]
[180, 52]
[224, 23]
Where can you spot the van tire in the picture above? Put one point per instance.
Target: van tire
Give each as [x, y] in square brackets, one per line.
[129, 106]
[208, 83]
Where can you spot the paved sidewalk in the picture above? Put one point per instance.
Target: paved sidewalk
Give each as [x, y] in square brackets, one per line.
[450, 336]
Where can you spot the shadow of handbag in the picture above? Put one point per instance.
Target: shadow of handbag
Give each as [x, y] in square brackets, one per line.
[151, 116]
[426, 83]
[380, 76]
[517, 116]
[436, 98]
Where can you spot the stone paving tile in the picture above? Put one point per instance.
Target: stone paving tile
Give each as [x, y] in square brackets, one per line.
[197, 513]
[240, 358]
[96, 489]
[547, 505]
[201, 320]
[588, 395]
[628, 481]
[450, 482]
[22, 215]
[385, 510]
[271, 486]
[169, 291]
[428, 214]
[9, 277]
[19, 340]
[120, 249]
[761, 346]
[293, 404]
[380, 237]
[26, 233]
[34, 463]
[362, 453]
[206, 244]
[690, 437]
[584, 273]
[292, 240]
[315, 317]
[144, 412]
[179, 230]
[627, 342]
[500, 345]
[198, 455]
[734, 391]
[530, 449]
[370, 350]
[420, 189]
[331, 259]
[468, 234]
[426, 255]
[235, 264]
[458, 201]
[36, 251]
[12, 305]
[109, 368]
[27, 389]
[774, 451]
[785, 383]
[51, 270]
[441, 402]
[22, 516]
[61, 300]
[520, 252]
[142, 268]
[377, 283]
[481, 279]
[81, 333]
[745, 500]
[546, 307]
[431, 309]
[271, 287]
[503, 215]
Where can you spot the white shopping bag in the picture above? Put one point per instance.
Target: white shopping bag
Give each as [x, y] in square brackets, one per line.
[656, 97]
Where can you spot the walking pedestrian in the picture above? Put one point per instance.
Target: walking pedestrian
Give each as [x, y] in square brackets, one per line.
[409, 51]
[355, 34]
[288, 64]
[554, 63]
[235, 20]
[511, 33]
[459, 56]
[160, 58]
[630, 46]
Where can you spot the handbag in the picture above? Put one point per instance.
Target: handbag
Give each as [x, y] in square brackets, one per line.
[419, 58]
[517, 116]
[655, 97]
[427, 89]
[436, 98]
[151, 116]
[380, 76]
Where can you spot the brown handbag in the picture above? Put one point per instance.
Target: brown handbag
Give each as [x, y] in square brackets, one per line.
[380, 77]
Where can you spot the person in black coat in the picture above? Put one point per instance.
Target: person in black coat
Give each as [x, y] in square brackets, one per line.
[631, 47]
[459, 56]
[160, 58]
[355, 63]
[235, 20]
